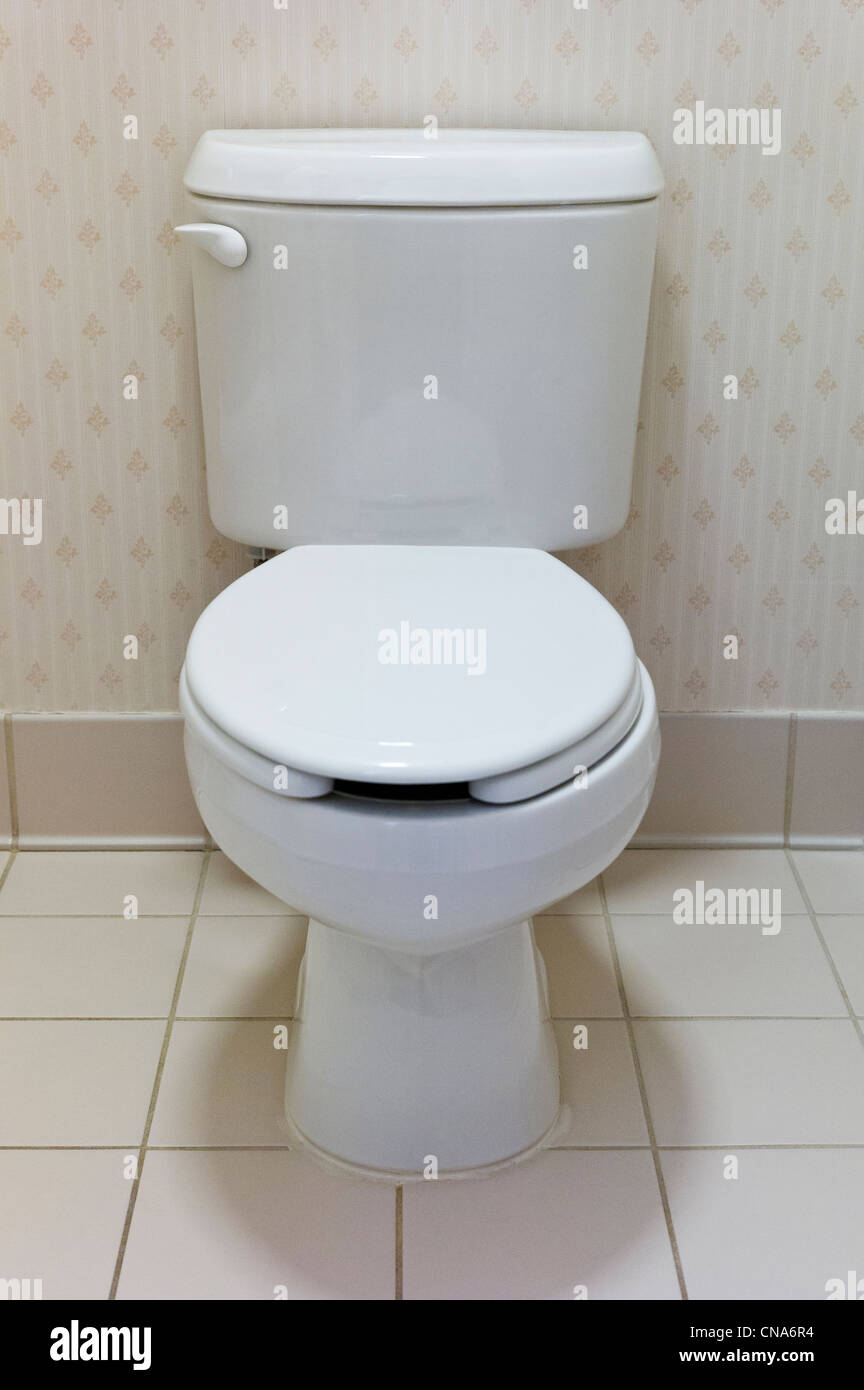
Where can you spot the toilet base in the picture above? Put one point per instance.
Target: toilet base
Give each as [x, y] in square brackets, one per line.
[402, 1177]
[406, 1066]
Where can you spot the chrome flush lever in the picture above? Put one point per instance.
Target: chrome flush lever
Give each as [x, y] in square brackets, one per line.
[224, 244]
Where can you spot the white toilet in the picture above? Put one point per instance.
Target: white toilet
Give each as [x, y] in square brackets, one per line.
[420, 365]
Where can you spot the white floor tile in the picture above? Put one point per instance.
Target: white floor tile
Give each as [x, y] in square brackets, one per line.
[537, 1231]
[228, 892]
[242, 967]
[791, 1221]
[599, 1087]
[241, 1223]
[97, 882]
[61, 1218]
[643, 880]
[103, 968]
[578, 967]
[834, 879]
[223, 1084]
[753, 1082]
[257, 1226]
[845, 939]
[726, 970]
[584, 902]
[76, 1083]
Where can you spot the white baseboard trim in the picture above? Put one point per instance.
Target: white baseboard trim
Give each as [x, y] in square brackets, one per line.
[118, 781]
[99, 781]
[759, 780]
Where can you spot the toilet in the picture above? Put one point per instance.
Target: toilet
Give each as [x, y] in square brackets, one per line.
[420, 363]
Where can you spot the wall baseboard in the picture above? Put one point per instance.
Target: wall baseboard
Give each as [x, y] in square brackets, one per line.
[99, 781]
[118, 781]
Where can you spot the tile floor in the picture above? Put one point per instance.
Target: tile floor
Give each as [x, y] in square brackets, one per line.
[144, 1046]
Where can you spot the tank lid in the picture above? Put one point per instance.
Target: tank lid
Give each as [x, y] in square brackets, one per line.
[407, 168]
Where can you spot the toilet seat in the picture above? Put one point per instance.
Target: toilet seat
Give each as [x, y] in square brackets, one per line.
[499, 670]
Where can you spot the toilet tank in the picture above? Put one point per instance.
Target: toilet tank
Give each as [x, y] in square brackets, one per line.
[436, 337]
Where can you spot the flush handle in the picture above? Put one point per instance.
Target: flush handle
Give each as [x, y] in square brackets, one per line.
[223, 243]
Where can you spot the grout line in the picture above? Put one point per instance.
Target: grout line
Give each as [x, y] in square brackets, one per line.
[157, 1081]
[600, 1148]
[811, 911]
[399, 1251]
[149, 916]
[65, 1148]
[145, 1018]
[705, 1018]
[756, 1148]
[791, 751]
[667, 913]
[151, 1148]
[227, 1148]
[551, 1148]
[699, 1148]
[252, 917]
[11, 779]
[649, 1123]
[95, 844]
[297, 917]
[554, 1018]
[235, 1018]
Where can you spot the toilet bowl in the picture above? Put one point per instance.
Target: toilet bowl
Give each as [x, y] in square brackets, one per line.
[419, 815]
[367, 863]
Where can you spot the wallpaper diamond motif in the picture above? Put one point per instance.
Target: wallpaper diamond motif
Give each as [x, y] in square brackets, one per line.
[759, 277]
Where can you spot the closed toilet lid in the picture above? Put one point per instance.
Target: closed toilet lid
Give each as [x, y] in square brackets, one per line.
[412, 664]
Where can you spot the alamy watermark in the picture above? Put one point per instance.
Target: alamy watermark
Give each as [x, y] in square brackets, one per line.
[844, 516]
[718, 907]
[752, 125]
[433, 646]
[18, 1290]
[851, 1288]
[77, 1343]
[22, 516]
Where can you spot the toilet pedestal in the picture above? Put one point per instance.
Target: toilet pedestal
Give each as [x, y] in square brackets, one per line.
[414, 1064]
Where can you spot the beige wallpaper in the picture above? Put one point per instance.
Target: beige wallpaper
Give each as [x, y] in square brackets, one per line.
[759, 275]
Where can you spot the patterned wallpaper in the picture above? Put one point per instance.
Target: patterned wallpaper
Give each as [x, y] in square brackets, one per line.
[759, 275]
